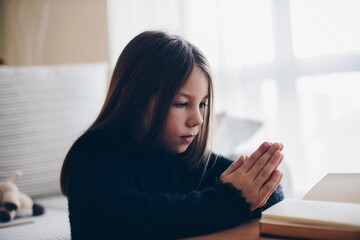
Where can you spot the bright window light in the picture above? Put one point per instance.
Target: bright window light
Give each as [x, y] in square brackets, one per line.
[269, 97]
[240, 30]
[247, 31]
[202, 27]
[322, 27]
[330, 114]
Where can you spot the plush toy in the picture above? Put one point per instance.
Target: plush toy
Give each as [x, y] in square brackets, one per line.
[15, 204]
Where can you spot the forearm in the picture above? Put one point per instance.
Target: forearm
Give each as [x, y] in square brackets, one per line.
[168, 216]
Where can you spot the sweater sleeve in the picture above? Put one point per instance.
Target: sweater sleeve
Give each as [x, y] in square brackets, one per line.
[102, 203]
[218, 164]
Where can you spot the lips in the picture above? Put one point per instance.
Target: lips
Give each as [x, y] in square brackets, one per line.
[187, 138]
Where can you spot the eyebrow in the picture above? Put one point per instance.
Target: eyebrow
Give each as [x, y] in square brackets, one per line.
[190, 96]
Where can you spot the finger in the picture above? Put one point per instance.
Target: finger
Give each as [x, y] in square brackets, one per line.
[269, 168]
[281, 146]
[270, 186]
[282, 157]
[235, 165]
[265, 198]
[271, 192]
[263, 160]
[255, 156]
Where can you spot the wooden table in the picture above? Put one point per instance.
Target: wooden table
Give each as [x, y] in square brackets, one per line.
[247, 230]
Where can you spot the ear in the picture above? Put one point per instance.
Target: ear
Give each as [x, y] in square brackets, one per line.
[5, 213]
[38, 209]
[10, 206]
[4, 216]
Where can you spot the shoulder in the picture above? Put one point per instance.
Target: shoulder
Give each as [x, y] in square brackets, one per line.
[95, 157]
[97, 146]
[105, 147]
[89, 141]
[100, 138]
[218, 163]
[215, 166]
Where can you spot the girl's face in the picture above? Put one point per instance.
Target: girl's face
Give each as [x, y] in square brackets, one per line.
[186, 113]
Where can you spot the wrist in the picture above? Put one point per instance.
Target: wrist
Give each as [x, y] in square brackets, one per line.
[234, 197]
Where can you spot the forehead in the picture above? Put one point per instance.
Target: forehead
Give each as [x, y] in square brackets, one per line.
[197, 84]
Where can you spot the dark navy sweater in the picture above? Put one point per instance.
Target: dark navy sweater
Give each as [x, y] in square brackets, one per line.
[118, 189]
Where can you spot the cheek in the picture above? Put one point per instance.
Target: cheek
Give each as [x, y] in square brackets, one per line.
[174, 123]
[171, 123]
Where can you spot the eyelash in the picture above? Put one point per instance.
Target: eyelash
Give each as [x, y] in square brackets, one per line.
[203, 105]
[185, 104]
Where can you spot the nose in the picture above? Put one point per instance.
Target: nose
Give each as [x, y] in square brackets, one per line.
[196, 118]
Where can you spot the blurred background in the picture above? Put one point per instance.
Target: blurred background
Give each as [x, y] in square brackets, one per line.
[291, 65]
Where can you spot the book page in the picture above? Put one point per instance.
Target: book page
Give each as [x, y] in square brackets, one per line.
[336, 187]
[344, 216]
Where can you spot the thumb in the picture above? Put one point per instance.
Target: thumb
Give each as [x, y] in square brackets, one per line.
[235, 165]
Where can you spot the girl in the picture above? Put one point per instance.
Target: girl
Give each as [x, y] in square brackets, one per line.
[143, 169]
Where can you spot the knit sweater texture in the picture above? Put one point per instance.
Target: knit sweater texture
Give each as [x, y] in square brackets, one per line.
[119, 189]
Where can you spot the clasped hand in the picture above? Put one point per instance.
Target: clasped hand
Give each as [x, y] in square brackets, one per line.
[256, 176]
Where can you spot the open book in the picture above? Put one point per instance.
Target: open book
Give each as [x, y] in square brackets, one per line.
[330, 210]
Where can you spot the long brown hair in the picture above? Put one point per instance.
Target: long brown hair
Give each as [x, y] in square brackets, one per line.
[153, 65]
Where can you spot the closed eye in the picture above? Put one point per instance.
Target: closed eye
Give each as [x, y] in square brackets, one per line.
[203, 104]
[180, 104]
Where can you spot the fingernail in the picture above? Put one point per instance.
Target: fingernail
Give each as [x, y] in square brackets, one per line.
[277, 173]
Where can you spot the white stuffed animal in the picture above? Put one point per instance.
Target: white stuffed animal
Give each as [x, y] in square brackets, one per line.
[15, 204]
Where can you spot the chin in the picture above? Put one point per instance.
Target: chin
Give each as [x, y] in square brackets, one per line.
[180, 149]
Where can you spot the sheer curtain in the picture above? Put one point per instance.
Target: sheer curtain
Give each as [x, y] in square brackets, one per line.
[294, 65]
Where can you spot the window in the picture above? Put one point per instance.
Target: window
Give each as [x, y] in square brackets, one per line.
[246, 29]
[329, 107]
[275, 61]
[292, 64]
[325, 26]
[231, 32]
